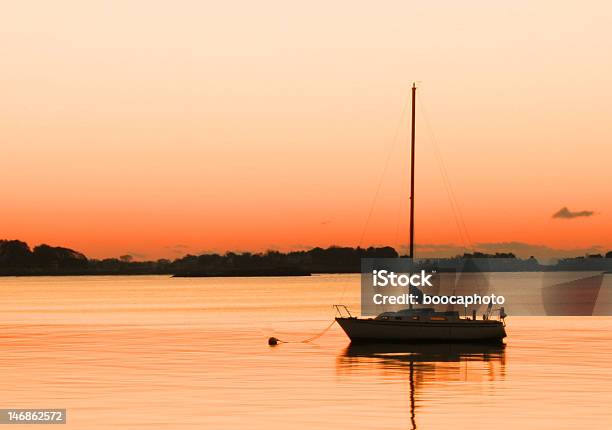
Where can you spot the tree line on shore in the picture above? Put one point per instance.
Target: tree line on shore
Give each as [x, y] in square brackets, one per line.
[17, 258]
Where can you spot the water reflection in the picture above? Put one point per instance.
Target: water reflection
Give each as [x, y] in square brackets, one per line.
[425, 364]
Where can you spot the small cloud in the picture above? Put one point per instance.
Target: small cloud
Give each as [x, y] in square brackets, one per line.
[565, 213]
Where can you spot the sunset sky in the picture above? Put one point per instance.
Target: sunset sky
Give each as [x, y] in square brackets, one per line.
[162, 128]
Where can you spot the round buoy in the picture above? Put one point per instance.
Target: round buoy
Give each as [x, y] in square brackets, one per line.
[272, 341]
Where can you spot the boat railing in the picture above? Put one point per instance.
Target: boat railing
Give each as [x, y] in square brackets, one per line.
[342, 310]
[492, 311]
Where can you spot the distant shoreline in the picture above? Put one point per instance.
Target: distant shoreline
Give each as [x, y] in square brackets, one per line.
[17, 259]
[270, 274]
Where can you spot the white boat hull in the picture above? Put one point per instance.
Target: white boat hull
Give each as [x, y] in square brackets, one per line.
[373, 330]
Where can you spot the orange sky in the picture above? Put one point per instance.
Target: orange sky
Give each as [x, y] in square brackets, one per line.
[160, 128]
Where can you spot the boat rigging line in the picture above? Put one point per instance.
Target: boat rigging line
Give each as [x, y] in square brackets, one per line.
[464, 235]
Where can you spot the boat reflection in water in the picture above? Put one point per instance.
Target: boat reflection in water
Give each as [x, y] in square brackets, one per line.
[426, 364]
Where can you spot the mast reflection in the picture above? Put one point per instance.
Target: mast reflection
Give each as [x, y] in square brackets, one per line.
[425, 364]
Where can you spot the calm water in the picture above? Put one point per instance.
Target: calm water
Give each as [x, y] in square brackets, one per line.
[154, 352]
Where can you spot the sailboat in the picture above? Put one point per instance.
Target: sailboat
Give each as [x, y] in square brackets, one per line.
[421, 324]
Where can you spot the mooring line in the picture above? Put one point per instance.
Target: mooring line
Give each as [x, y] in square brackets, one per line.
[274, 340]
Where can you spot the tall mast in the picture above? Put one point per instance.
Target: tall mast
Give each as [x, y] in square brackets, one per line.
[412, 172]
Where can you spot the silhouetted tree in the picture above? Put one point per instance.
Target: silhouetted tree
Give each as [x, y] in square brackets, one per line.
[58, 257]
[15, 254]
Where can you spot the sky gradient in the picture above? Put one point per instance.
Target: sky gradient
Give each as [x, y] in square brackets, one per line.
[161, 128]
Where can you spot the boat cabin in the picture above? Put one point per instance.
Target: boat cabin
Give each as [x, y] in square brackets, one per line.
[420, 314]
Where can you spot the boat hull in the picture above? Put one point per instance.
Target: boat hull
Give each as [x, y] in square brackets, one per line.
[372, 330]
